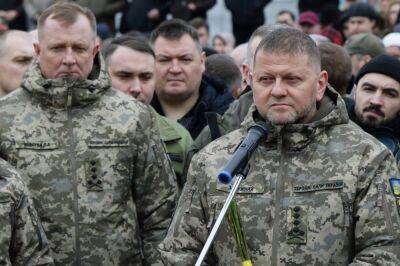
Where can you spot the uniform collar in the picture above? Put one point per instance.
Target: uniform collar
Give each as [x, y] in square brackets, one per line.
[331, 112]
[70, 91]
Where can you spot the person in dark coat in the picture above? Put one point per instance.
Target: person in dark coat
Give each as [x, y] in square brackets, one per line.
[183, 93]
[190, 9]
[376, 107]
[12, 14]
[247, 15]
[143, 16]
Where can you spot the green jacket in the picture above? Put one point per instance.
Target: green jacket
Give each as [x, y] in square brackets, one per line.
[22, 238]
[316, 194]
[177, 141]
[95, 166]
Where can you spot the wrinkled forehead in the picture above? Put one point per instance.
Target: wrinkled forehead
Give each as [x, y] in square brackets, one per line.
[81, 26]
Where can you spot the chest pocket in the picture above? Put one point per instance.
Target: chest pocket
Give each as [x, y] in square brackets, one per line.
[33, 153]
[319, 210]
[108, 164]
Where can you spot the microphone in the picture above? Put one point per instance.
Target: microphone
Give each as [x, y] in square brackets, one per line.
[242, 155]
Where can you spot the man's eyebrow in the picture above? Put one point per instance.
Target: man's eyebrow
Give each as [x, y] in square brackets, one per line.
[366, 83]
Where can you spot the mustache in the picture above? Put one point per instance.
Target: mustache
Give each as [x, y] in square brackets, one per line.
[374, 108]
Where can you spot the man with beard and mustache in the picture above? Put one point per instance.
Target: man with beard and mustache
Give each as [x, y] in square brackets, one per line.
[376, 105]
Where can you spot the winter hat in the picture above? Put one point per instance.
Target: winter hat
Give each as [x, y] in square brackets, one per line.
[382, 64]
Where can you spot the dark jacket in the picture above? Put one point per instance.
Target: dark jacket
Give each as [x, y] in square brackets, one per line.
[179, 8]
[214, 97]
[315, 5]
[388, 134]
[247, 12]
[135, 15]
[19, 22]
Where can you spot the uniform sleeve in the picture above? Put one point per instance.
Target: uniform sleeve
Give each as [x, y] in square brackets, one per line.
[189, 228]
[377, 228]
[29, 245]
[154, 189]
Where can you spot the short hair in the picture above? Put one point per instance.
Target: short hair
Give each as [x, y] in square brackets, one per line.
[261, 32]
[224, 67]
[290, 41]
[66, 12]
[175, 29]
[139, 44]
[198, 23]
[285, 11]
[337, 62]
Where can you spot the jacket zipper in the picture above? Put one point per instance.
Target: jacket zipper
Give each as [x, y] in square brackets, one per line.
[71, 142]
[278, 206]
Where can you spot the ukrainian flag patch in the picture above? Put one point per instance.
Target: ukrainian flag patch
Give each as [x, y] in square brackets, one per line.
[395, 185]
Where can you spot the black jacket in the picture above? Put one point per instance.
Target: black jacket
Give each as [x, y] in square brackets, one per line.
[214, 96]
[135, 15]
[388, 134]
[179, 8]
[247, 12]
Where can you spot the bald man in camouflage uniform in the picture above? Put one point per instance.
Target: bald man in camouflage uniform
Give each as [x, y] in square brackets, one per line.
[22, 239]
[320, 191]
[93, 158]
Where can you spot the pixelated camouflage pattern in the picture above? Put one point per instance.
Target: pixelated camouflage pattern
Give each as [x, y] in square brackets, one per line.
[22, 238]
[95, 166]
[329, 172]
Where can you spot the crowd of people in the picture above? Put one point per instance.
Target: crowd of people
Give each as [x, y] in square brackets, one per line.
[112, 134]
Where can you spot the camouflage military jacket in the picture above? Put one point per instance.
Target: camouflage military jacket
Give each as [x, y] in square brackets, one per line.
[95, 166]
[316, 194]
[22, 238]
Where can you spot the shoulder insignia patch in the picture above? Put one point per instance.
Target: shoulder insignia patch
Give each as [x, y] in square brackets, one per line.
[395, 185]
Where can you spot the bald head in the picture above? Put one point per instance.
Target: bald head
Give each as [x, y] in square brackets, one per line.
[16, 53]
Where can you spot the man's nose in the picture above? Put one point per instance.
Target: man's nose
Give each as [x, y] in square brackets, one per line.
[175, 66]
[278, 89]
[69, 57]
[376, 99]
[135, 87]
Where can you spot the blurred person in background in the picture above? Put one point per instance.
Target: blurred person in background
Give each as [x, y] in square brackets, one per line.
[361, 18]
[12, 14]
[247, 15]
[190, 9]
[223, 42]
[392, 44]
[143, 16]
[285, 17]
[309, 23]
[203, 30]
[223, 67]
[362, 48]
[16, 54]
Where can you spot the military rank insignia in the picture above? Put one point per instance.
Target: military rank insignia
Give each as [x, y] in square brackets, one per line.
[297, 225]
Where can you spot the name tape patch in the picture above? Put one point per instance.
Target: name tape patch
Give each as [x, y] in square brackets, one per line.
[328, 185]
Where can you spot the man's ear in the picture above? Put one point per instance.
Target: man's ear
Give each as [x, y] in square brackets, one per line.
[322, 83]
[245, 69]
[203, 61]
[96, 48]
[36, 47]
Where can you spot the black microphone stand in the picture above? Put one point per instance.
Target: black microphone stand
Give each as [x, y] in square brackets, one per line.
[241, 175]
